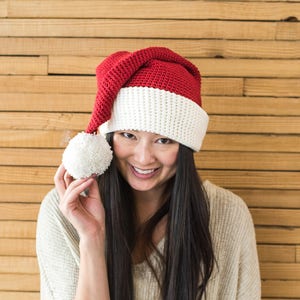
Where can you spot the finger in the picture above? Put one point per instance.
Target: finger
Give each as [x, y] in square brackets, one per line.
[68, 179]
[77, 186]
[94, 189]
[59, 180]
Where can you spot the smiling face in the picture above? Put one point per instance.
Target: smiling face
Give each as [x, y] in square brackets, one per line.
[146, 160]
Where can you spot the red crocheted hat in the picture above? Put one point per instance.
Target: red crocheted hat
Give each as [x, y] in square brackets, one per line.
[152, 89]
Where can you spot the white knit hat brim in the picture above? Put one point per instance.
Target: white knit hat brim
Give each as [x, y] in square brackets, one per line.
[158, 111]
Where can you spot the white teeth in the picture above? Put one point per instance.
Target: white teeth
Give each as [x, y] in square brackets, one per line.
[144, 172]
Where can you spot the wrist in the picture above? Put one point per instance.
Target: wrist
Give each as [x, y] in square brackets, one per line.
[93, 243]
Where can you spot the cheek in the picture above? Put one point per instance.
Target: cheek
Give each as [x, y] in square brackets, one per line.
[119, 149]
[170, 159]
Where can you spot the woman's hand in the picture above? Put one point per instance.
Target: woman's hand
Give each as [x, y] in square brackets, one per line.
[86, 213]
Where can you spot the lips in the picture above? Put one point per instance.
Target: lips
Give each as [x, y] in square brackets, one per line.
[144, 173]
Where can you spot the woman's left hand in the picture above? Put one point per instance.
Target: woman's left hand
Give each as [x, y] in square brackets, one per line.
[86, 213]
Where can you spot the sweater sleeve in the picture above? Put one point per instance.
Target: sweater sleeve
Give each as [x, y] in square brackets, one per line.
[249, 284]
[57, 263]
[236, 274]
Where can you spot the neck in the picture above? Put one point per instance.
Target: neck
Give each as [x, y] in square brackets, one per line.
[147, 203]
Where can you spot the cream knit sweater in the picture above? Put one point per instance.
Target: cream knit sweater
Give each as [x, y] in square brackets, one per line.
[236, 275]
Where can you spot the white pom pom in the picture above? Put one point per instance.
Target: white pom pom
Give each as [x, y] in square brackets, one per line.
[87, 154]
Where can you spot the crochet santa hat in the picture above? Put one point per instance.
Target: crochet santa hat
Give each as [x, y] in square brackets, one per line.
[153, 90]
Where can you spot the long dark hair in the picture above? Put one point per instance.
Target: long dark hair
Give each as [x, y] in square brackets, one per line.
[188, 254]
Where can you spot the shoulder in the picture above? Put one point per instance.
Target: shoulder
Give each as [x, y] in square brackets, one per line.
[57, 251]
[233, 237]
[229, 214]
[224, 201]
[51, 222]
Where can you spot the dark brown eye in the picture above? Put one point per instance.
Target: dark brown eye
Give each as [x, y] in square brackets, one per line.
[164, 141]
[127, 135]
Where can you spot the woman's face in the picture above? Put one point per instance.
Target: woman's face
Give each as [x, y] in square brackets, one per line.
[146, 160]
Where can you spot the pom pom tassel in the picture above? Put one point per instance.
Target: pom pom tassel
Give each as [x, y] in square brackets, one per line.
[86, 155]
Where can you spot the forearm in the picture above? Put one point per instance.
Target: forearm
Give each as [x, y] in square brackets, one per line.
[93, 281]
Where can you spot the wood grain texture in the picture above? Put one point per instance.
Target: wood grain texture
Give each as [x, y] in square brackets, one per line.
[19, 295]
[272, 87]
[274, 254]
[23, 65]
[17, 229]
[208, 48]
[281, 288]
[129, 28]
[17, 247]
[19, 282]
[154, 9]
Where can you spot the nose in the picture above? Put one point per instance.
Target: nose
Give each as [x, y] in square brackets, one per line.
[143, 153]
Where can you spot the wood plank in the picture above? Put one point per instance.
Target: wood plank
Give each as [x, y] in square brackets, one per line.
[3, 9]
[277, 235]
[272, 87]
[281, 288]
[248, 67]
[27, 175]
[298, 254]
[284, 271]
[153, 9]
[252, 179]
[270, 1]
[87, 84]
[106, 46]
[24, 193]
[246, 142]
[20, 282]
[35, 138]
[48, 84]
[44, 121]
[288, 31]
[30, 157]
[250, 105]
[51, 102]
[278, 253]
[74, 64]
[19, 295]
[188, 29]
[269, 198]
[23, 65]
[208, 66]
[261, 124]
[17, 229]
[220, 124]
[17, 247]
[271, 216]
[18, 264]
[236, 160]
[19, 211]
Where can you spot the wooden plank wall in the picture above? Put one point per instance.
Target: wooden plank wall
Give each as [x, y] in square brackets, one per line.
[249, 55]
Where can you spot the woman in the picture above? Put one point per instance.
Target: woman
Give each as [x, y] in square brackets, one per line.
[141, 224]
